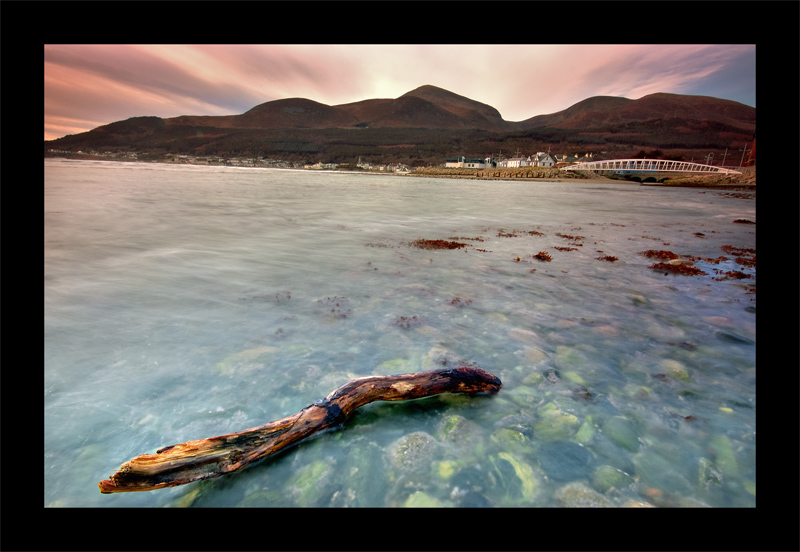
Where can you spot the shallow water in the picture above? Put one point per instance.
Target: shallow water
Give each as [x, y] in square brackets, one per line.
[183, 302]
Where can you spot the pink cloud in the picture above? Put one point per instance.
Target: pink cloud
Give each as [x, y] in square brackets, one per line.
[89, 85]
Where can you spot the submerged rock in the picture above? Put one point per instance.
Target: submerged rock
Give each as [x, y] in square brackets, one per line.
[621, 431]
[607, 477]
[674, 369]
[472, 499]
[420, 499]
[307, 485]
[554, 424]
[515, 480]
[412, 452]
[585, 433]
[655, 471]
[397, 366]
[733, 338]
[439, 357]
[724, 456]
[460, 433]
[578, 495]
[709, 474]
[524, 396]
[564, 460]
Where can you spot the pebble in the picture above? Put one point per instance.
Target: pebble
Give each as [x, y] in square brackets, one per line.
[519, 482]
[606, 478]
[459, 432]
[523, 335]
[555, 424]
[410, 452]
[578, 495]
[674, 369]
[621, 431]
[564, 460]
[419, 499]
[733, 338]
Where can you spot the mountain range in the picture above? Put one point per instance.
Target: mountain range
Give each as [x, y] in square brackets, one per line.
[429, 123]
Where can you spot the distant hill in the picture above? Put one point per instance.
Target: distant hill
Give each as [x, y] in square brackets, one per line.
[606, 111]
[428, 124]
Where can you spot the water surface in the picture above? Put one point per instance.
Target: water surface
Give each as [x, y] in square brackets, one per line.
[183, 302]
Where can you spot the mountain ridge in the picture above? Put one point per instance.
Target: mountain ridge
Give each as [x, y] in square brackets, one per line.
[428, 123]
[429, 106]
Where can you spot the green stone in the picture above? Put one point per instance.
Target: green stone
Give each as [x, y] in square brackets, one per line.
[725, 458]
[578, 495]
[574, 377]
[585, 433]
[509, 438]
[661, 473]
[566, 357]
[620, 431]
[555, 424]
[396, 366]
[674, 369]
[639, 392]
[709, 473]
[446, 468]
[411, 450]
[306, 482]
[605, 478]
[526, 482]
[419, 499]
[532, 378]
[523, 396]
[457, 430]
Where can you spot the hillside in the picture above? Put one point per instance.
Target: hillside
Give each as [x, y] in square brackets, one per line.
[429, 124]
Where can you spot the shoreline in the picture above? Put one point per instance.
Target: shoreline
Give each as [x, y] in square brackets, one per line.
[532, 174]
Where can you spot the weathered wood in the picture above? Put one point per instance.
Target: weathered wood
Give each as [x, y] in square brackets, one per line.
[206, 458]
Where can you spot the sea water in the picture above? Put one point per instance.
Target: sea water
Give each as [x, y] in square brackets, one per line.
[184, 302]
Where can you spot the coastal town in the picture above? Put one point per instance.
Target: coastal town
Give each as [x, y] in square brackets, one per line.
[540, 159]
[539, 165]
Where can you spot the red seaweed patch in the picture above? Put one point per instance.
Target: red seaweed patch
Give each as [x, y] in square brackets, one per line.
[437, 244]
[659, 254]
[677, 269]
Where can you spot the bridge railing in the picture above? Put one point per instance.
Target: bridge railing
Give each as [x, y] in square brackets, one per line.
[655, 165]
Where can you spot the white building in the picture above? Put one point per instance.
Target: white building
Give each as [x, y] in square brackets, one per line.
[543, 160]
[464, 163]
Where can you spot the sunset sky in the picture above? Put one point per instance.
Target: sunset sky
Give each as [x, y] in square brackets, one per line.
[91, 85]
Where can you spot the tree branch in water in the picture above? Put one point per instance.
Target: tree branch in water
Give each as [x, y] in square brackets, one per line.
[206, 458]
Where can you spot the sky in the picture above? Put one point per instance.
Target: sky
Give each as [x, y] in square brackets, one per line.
[86, 86]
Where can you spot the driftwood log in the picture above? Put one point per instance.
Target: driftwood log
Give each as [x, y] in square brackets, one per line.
[206, 458]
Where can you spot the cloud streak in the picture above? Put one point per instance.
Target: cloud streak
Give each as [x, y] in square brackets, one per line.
[90, 85]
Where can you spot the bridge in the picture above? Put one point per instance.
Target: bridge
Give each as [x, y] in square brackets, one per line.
[647, 170]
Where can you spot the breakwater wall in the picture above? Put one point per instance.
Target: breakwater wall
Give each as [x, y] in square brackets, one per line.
[520, 173]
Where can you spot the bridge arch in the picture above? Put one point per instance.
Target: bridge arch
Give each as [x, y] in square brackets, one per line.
[646, 170]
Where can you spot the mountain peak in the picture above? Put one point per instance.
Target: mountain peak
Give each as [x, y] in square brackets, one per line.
[482, 114]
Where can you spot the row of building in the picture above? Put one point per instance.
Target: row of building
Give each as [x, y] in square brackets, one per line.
[541, 159]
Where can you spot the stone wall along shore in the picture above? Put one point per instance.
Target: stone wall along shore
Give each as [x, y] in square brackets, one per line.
[545, 173]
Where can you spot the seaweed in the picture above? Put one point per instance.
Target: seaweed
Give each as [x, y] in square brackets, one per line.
[437, 244]
[409, 321]
[678, 269]
[659, 254]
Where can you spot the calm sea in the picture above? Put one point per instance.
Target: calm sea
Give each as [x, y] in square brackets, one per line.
[183, 302]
